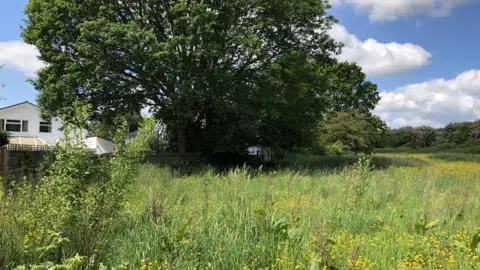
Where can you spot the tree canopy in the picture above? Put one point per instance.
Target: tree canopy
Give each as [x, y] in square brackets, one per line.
[352, 130]
[222, 75]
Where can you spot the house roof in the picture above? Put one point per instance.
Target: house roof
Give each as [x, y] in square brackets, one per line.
[33, 141]
[18, 104]
[99, 145]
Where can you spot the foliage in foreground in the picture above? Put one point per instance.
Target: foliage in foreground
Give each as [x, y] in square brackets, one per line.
[76, 203]
[357, 218]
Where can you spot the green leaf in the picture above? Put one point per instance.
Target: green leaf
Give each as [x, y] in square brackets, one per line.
[314, 265]
[331, 241]
[260, 212]
[294, 233]
[475, 241]
[432, 224]
[460, 245]
[182, 231]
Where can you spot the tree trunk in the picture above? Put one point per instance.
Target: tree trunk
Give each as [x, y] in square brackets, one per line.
[182, 140]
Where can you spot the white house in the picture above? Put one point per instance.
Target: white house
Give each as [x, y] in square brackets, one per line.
[25, 126]
[23, 121]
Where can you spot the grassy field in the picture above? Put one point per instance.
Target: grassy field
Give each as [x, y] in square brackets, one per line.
[456, 157]
[413, 217]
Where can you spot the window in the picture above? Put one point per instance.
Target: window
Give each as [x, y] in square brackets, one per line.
[24, 126]
[46, 127]
[13, 125]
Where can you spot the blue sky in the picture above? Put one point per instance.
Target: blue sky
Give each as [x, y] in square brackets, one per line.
[423, 54]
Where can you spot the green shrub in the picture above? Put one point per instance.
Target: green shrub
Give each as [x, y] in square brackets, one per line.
[3, 137]
[335, 149]
[77, 201]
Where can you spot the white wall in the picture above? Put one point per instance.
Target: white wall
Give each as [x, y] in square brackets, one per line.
[99, 145]
[31, 114]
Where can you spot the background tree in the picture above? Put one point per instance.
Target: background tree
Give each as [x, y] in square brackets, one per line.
[212, 71]
[399, 137]
[424, 136]
[458, 133]
[475, 130]
[418, 137]
[349, 89]
[348, 129]
[107, 129]
[377, 129]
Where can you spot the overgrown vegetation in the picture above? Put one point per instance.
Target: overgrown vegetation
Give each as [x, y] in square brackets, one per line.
[223, 76]
[355, 218]
[70, 211]
[456, 157]
[313, 163]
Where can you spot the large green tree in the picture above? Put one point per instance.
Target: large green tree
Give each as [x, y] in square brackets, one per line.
[221, 75]
[458, 133]
[200, 65]
[355, 131]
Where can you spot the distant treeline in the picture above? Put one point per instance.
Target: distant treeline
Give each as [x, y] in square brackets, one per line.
[462, 136]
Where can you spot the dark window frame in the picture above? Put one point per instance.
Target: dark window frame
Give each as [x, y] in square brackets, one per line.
[10, 122]
[47, 125]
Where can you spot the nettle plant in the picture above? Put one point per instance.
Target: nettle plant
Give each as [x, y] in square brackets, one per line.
[358, 181]
[81, 195]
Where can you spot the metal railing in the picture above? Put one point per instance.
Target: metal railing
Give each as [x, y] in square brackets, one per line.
[29, 148]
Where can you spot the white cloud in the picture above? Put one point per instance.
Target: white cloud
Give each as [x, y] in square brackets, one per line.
[20, 56]
[434, 103]
[379, 59]
[392, 10]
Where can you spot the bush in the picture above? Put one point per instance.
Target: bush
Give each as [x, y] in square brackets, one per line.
[3, 138]
[75, 204]
[335, 149]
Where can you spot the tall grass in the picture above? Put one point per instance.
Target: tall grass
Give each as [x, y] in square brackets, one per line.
[456, 157]
[355, 218]
[467, 148]
[321, 163]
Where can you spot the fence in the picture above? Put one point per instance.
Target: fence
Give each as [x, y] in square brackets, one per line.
[29, 148]
[14, 156]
